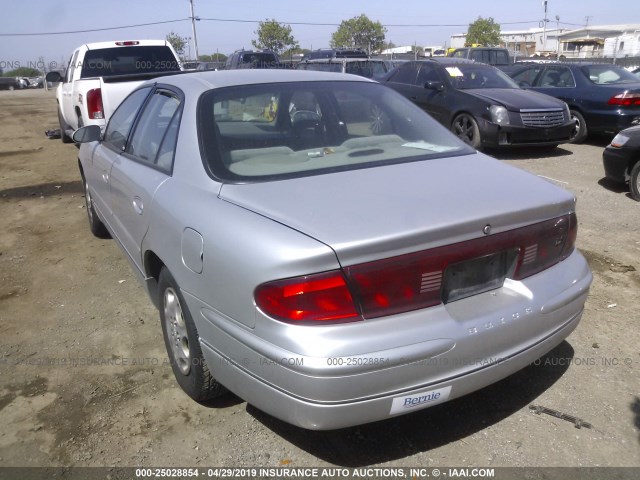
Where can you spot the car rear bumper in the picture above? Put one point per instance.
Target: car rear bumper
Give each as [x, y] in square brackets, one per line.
[494, 135]
[321, 381]
[616, 163]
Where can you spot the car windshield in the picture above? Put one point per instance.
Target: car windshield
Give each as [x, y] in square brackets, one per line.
[284, 130]
[106, 62]
[608, 74]
[467, 76]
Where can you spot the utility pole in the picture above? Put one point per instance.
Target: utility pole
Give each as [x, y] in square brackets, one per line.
[557, 37]
[193, 26]
[544, 28]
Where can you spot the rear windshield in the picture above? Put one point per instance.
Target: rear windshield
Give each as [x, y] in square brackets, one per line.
[107, 62]
[259, 58]
[284, 130]
[608, 74]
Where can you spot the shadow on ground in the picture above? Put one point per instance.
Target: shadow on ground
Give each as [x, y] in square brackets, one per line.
[42, 190]
[529, 153]
[428, 429]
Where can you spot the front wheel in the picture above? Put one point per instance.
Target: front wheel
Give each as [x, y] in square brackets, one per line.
[579, 133]
[183, 344]
[467, 130]
[634, 182]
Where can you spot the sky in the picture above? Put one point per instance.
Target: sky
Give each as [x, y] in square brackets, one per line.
[408, 22]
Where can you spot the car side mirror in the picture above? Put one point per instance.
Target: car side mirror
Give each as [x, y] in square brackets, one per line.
[90, 133]
[434, 85]
[53, 77]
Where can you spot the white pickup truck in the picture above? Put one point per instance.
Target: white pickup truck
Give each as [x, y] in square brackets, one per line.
[100, 75]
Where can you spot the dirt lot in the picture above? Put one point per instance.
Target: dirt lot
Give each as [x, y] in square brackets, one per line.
[84, 380]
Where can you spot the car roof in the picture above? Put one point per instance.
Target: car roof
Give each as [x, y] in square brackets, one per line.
[209, 79]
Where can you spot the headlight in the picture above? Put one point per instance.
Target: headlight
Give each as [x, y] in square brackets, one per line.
[619, 140]
[499, 115]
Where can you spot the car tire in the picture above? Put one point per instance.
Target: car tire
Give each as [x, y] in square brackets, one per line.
[465, 127]
[579, 133]
[11, 88]
[95, 224]
[634, 182]
[63, 128]
[183, 344]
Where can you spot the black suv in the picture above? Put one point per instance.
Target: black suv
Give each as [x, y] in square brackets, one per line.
[335, 53]
[252, 59]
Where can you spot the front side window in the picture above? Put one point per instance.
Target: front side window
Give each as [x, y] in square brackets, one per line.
[406, 73]
[152, 128]
[122, 119]
[272, 131]
[527, 77]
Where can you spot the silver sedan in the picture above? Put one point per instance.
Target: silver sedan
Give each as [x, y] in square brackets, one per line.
[324, 249]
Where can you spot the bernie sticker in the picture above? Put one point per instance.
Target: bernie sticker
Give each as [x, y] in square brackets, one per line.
[419, 400]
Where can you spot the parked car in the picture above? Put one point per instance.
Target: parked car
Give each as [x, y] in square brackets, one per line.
[252, 59]
[100, 75]
[602, 98]
[482, 105]
[335, 53]
[621, 160]
[395, 267]
[36, 82]
[9, 83]
[364, 67]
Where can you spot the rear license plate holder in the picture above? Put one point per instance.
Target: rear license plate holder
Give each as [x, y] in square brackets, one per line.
[477, 275]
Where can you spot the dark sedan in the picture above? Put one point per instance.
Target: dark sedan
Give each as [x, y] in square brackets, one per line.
[602, 98]
[482, 105]
[622, 160]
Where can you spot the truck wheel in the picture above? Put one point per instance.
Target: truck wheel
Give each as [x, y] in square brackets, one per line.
[183, 344]
[634, 182]
[579, 133]
[63, 128]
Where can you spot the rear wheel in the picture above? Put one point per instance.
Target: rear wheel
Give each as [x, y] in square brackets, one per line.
[579, 133]
[634, 182]
[466, 128]
[183, 343]
[63, 128]
[95, 224]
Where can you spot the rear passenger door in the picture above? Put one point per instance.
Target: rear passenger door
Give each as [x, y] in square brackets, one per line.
[146, 163]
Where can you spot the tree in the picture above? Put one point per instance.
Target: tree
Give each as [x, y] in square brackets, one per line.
[23, 72]
[359, 32]
[177, 42]
[274, 36]
[484, 31]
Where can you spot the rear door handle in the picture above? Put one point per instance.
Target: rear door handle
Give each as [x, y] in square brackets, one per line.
[137, 205]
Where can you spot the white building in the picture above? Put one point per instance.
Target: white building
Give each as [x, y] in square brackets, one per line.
[616, 41]
[523, 42]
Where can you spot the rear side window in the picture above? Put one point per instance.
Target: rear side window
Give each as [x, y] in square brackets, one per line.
[122, 119]
[107, 62]
[157, 121]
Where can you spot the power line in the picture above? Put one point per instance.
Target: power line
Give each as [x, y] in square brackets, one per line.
[234, 20]
[91, 30]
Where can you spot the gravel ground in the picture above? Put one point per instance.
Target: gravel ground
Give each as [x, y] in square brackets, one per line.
[84, 379]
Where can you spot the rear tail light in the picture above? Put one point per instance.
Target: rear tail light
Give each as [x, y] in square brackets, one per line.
[412, 281]
[319, 298]
[127, 43]
[94, 104]
[625, 99]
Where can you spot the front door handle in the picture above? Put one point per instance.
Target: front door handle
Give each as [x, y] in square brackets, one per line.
[137, 205]
[105, 177]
